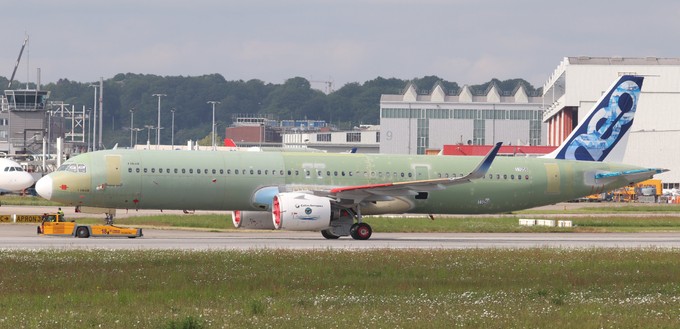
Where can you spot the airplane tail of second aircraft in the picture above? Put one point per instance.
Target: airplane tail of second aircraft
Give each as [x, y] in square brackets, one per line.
[603, 134]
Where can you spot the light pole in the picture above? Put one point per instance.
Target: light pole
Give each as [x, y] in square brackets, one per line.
[148, 134]
[213, 122]
[158, 127]
[89, 128]
[172, 133]
[137, 130]
[94, 126]
[132, 124]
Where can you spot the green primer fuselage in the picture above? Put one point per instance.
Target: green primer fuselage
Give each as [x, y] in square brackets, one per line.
[207, 180]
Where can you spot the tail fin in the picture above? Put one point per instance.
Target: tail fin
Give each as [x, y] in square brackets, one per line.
[603, 134]
[229, 142]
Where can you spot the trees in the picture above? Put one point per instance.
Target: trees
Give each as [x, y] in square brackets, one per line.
[352, 104]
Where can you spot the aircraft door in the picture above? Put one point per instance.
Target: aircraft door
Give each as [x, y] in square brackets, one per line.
[552, 173]
[113, 170]
[422, 172]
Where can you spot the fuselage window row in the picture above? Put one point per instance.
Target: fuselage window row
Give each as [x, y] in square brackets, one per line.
[319, 173]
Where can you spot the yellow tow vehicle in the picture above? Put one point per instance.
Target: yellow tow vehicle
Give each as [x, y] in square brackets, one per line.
[54, 224]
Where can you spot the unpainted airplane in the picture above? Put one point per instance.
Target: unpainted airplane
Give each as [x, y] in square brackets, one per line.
[12, 177]
[330, 192]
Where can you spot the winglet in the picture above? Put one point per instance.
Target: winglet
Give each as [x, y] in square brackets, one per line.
[483, 166]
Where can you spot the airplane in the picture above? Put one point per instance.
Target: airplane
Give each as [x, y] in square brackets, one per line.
[330, 192]
[12, 177]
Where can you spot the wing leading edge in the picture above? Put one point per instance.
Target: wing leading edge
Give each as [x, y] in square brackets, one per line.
[384, 191]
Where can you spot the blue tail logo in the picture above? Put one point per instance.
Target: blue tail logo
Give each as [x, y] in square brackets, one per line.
[606, 124]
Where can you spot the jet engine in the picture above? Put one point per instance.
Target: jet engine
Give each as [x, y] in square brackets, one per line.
[254, 220]
[301, 212]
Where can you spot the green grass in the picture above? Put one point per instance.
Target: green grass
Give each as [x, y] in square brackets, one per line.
[535, 288]
[609, 208]
[25, 200]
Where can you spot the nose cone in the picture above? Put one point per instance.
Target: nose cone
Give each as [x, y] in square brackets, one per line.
[23, 181]
[44, 187]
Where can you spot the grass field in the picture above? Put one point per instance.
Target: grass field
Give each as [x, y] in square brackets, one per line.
[528, 288]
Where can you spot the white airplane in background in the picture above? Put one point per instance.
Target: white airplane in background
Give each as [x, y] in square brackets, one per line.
[13, 177]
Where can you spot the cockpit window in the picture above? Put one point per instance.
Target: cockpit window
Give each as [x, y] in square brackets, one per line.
[73, 167]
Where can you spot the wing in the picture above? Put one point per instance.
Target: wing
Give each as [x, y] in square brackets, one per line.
[385, 191]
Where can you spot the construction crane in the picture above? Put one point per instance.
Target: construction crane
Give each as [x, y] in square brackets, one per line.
[9, 86]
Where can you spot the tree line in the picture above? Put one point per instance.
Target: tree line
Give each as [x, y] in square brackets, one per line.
[348, 106]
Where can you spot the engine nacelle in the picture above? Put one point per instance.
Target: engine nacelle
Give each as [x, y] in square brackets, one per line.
[254, 220]
[301, 212]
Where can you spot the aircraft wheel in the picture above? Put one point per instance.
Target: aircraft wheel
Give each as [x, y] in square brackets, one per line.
[82, 232]
[361, 231]
[328, 235]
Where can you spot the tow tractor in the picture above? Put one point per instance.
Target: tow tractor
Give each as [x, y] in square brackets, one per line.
[54, 224]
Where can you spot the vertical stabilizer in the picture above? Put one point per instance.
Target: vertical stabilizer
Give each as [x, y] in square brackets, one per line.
[603, 134]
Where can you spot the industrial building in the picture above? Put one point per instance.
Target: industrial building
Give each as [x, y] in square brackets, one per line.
[578, 82]
[417, 122]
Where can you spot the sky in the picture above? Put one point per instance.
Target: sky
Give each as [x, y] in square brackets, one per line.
[466, 41]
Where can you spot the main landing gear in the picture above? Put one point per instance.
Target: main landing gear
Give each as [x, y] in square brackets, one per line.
[360, 231]
[342, 224]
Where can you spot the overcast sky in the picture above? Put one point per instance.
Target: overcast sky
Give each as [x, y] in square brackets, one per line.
[465, 41]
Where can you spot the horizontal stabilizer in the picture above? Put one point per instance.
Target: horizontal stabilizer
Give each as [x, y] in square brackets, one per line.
[632, 175]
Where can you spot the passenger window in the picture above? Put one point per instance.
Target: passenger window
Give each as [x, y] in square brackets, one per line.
[175, 170]
[519, 177]
[137, 170]
[236, 171]
[145, 170]
[184, 171]
[281, 172]
[252, 172]
[328, 173]
[526, 177]
[402, 175]
[214, 171]
[410, 175]
[505, 176]
[129, 169]
[297, 173]
[512, 177]
[498, 176]
[289, 173]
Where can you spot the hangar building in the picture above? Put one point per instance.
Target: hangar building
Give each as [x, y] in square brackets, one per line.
[578, 82]
[414, 122]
